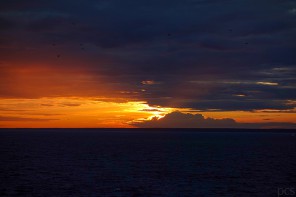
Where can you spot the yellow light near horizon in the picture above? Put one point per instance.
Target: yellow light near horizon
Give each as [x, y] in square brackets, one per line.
[74, 112]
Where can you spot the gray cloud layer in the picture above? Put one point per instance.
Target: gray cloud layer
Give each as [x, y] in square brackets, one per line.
[202, 54]
[182, 120]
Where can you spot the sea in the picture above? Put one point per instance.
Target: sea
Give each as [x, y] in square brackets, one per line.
[147, 162]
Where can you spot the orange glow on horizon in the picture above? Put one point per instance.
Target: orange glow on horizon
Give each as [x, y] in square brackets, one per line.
[42, 96]
[78, 112]
[73, 113]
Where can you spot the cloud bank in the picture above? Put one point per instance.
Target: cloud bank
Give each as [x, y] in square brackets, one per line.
[195, 54]
[178, 119]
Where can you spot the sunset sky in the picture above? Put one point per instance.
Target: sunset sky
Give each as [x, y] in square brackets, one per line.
[148, 63]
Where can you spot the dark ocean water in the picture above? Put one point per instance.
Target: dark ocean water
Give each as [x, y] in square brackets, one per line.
[102, 162]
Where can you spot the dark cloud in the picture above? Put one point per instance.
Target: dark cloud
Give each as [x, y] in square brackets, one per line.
[45, 114]
[71, 104]
[227, 104]
[151, 110]
[14, 110]
[198, 53]
[179, 120]
[5, 24]
[15, 118]
[182, 120]
[47, 105]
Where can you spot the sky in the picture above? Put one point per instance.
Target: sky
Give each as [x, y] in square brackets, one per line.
[148, 63]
